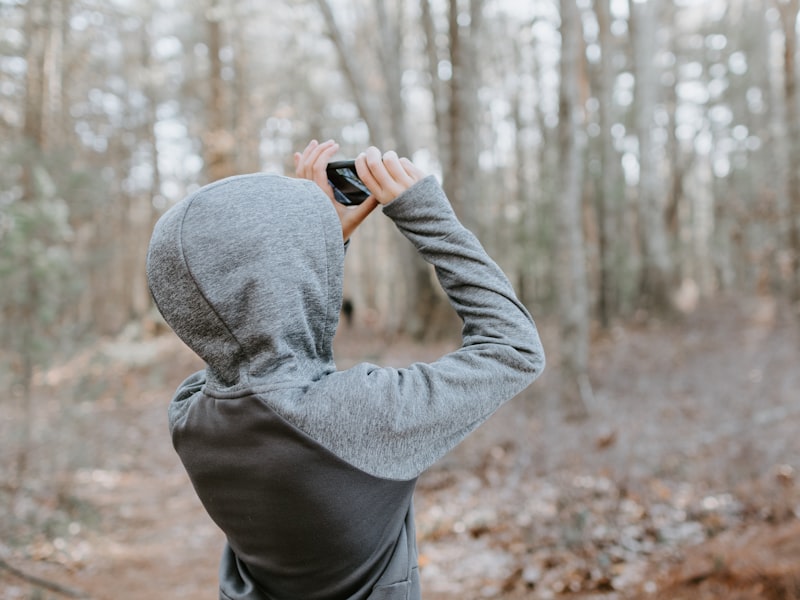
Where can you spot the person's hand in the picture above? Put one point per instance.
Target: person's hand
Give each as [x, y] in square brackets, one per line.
[311, 163]
[386, 176]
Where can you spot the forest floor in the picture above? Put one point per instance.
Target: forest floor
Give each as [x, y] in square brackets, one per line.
[683, 483]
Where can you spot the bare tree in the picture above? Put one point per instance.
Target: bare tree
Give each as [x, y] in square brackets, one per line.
[389, 51]
[108, 106]
[418, 307]
[33, 255]
[609, 196]
[245, 104]
[460, 175]
[219, 140]
[573, 309]
[354, 74]
[438, 92]
[789, 11]
[154, 196]
[656, 270]
[37, 34]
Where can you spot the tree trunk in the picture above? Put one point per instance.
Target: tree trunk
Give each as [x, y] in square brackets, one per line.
[415, 308]
[656, 270]
[248, 131]
[461, 172]
[765, 170]
[142, 300]
[789, 11]
[437, 92]
[353, 75]
[54, 114]
[608, 197]
[219, 142]
[390, 56]
[35, 84]
[24, 316]
[575, 389]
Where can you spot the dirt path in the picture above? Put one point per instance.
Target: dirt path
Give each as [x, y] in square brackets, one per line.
[147, 535]
[693, 438]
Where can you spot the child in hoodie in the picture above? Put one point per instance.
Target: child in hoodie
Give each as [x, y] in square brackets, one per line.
[310, 471]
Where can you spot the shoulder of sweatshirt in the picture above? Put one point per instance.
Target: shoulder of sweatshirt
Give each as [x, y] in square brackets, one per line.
[181, 400]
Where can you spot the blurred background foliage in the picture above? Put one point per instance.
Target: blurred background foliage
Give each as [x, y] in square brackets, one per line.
[621, 159]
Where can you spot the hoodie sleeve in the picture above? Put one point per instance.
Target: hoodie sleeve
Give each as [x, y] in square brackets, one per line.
[394, 423]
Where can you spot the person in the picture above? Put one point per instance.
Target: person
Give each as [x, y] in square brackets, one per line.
[310, 471]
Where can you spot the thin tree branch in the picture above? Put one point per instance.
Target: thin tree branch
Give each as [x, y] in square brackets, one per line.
[351, 72]
[46, 584]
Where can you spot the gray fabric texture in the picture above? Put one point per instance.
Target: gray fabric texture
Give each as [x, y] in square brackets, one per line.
[300, 522]
[308, 470]
[248, 272]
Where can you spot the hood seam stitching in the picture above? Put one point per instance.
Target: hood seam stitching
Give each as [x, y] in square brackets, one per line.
[321, 343]
[202, 293]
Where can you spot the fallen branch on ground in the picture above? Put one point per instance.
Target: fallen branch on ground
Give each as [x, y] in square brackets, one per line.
[51, 586]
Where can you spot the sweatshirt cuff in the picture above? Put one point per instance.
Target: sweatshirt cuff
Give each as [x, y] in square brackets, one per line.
[424, 198]
[423, 209]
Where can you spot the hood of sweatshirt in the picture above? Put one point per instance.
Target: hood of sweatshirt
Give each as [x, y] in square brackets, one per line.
[248, 273]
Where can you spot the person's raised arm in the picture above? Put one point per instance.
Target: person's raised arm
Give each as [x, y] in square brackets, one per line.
[395, 423]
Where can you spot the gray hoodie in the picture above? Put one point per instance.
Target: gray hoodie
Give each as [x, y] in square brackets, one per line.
[310, 471]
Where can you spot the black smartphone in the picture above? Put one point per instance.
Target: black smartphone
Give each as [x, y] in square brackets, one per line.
[348, 189]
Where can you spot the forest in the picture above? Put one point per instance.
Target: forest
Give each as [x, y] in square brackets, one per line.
[632, 165]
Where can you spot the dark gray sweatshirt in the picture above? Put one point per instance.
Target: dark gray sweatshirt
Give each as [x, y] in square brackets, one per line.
[310, 471]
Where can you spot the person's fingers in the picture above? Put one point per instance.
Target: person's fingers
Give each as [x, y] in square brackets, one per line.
[413, 170]
[319, 150]
[316, 155]
[301, 159]
[395, 168]
[365, 173]
[386, 175]
[393, 179]
[307, 163]
[321, 157]
[385, 187]
[375, 164]
[311, 163]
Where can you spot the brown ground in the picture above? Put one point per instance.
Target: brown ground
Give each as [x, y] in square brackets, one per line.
[682, 484]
